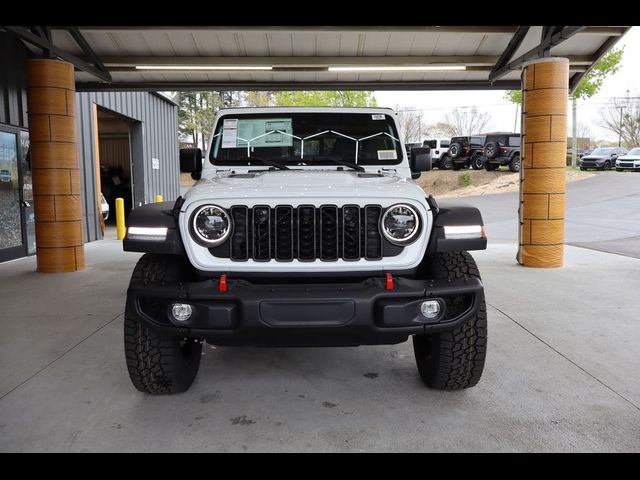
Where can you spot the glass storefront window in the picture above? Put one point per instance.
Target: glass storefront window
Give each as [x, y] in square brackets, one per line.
[10, 220]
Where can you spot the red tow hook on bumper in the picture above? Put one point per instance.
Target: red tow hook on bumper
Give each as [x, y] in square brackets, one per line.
[222, 284]
[389, 283]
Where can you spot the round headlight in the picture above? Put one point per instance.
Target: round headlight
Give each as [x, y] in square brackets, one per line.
[400, 224]
[211, 225]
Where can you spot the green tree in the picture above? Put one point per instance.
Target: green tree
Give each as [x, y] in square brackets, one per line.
[325, 98]
[591, 83]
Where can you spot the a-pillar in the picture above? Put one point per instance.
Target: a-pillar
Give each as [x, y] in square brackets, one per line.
[543, 175]
[54, 162]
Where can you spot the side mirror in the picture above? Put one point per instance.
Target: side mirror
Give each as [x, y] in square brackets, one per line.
[420, 160]
[191, 162]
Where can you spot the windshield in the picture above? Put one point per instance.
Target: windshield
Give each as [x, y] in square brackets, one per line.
[634, 151]
[603, 151]
[293, 138]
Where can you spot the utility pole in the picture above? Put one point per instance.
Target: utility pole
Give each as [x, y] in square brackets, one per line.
[620, 127]
[574, 148]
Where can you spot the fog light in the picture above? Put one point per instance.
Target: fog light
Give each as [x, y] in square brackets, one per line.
[181, 311]
[430, 309]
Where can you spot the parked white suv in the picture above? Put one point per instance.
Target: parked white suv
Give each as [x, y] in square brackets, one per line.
[629, 161]
[304, 229]
[439, 148]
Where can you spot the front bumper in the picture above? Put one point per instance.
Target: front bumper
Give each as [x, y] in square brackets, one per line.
[592, 163]
[319, 314]
[629, 165]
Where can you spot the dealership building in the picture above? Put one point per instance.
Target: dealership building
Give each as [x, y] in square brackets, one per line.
[125, 143]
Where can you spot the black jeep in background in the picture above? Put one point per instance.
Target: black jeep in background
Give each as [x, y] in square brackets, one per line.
[500, 148]
[465, 151]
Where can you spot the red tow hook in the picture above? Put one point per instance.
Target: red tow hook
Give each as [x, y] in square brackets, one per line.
[222, 284]
[389, 284]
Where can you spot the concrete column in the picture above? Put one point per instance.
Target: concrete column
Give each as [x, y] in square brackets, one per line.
[55, 169]
[545, 84]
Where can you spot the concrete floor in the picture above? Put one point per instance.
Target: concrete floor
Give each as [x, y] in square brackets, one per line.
[561, 373]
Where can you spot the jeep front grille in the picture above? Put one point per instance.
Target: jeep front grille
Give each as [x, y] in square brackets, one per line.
[306, 233]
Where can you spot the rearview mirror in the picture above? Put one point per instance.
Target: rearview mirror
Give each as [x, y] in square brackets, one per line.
[420, 160]
[191, 162]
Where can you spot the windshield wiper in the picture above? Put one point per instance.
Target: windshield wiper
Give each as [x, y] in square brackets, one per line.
[342, 162]
[271, 163]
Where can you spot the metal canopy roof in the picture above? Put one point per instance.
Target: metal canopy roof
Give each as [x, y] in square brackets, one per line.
[304, 58]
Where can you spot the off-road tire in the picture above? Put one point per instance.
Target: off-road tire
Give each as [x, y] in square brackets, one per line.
[514, 164]
[491, 150]
[453, 359]
[455, 150]
[445, 163]
[477, 163]
[159, 364]
[490, 167]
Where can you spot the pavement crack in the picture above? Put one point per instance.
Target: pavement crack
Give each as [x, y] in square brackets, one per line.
[62, 355]
[566, 358]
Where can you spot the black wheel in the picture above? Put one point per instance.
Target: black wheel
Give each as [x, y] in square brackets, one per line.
[490, 167]
[491, 149]
[445, 162]
[514, 164]
[477, 163]
[157, 363]
[455, 150]
[454, 359]
[607, 165]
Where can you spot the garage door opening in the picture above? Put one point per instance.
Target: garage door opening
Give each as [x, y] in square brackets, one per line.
[116, 168]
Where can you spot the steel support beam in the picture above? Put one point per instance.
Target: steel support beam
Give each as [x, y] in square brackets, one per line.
[550, 41]
[46, 45]
[297, 86]
[89, 52]
[508, 52]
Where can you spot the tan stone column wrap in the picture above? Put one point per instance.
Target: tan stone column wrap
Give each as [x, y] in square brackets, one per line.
[543, 176]
[54, 162]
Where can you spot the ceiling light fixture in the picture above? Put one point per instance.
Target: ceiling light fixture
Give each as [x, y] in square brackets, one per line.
[201, 67]
[422, 68]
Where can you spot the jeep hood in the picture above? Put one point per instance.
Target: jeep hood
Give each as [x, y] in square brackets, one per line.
[304, 183]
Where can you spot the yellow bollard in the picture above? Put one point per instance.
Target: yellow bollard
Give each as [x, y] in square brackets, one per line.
[121, 227]
[159, 199]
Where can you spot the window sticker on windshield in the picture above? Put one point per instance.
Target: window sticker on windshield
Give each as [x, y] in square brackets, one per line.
[377, 117]
[229, 133]
[387, 155]
[265, 132]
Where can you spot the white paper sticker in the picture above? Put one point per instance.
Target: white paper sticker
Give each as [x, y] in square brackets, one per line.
[229, 133]
[387, 155]
[155, 163]
[377, 117]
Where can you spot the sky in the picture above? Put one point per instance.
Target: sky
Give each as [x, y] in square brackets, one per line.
[436, 104]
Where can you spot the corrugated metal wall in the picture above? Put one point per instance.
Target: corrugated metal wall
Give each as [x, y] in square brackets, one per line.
[156, 136]
[13, 95]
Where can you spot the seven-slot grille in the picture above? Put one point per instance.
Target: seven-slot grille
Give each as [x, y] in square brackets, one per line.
[305, 233]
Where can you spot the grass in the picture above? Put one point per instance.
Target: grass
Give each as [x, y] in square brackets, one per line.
[465, 179]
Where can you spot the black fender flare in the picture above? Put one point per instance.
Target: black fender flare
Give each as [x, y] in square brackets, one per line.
[448, 213]
[154, 215]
